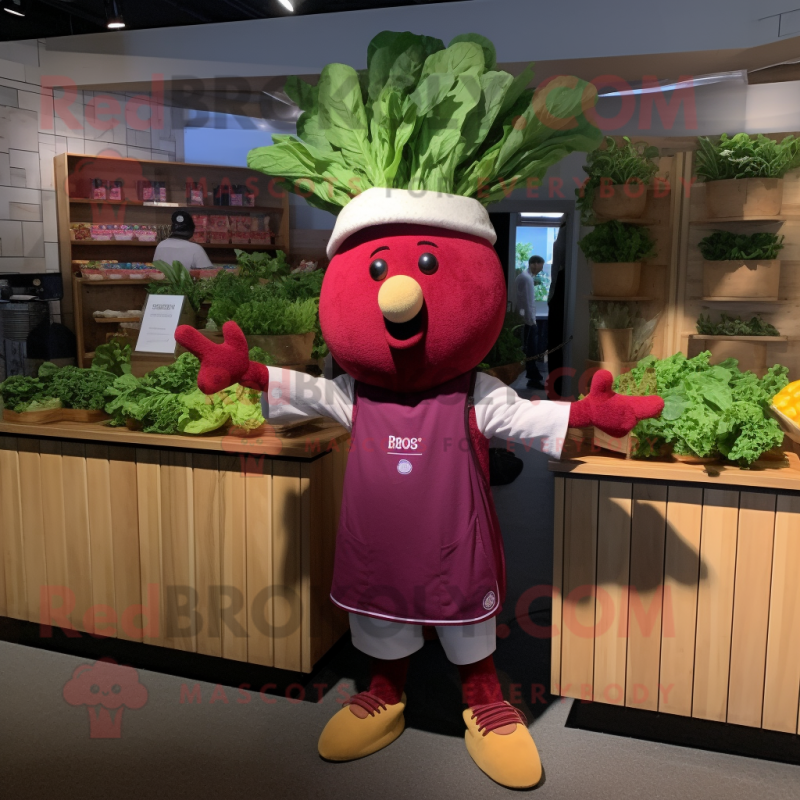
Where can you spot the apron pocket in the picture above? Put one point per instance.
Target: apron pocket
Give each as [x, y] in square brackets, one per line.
[468, 582]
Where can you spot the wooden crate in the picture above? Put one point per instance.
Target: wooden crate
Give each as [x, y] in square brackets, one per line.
[678, 597]
[218, 561]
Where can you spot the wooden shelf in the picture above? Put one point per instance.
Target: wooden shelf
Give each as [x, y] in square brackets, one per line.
[724, 220]
[199, 209]
[719, 337]
[153, 245]
[87, 200]
[116, 282]
[108, 320]
[598, 299]
[749, 300]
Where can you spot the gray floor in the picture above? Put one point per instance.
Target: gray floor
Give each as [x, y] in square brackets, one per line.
[256, 749]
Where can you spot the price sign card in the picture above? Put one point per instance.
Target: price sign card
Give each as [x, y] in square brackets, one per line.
[162, 312]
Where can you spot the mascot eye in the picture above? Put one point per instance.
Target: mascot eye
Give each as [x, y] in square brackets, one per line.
[378, 269]
[94, 689]
[428, 263]
[116, 688]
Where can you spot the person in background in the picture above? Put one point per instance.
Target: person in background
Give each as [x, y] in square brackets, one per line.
[526, 305]
[178, 247]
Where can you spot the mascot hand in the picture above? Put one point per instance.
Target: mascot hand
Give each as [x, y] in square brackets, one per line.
[615, 414]
[222, 365]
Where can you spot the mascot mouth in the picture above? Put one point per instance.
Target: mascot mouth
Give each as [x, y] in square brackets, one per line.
[402, 335]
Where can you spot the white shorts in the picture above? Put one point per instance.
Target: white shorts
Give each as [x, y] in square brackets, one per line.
[463, 644]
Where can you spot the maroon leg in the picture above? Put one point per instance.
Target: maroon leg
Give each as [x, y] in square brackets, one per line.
[479, 682]
[388, 679]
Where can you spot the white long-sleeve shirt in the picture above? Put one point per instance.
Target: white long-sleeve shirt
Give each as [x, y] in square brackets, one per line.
[499, 410]
[526, 296]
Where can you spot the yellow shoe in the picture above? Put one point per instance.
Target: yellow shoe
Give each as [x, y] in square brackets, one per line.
[347, 737]
[512, 759]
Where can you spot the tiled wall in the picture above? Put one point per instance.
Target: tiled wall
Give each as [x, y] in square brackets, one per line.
[31, 135]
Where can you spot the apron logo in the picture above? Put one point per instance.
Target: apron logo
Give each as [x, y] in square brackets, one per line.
[400, 443]
[489, 601]
[404, 466]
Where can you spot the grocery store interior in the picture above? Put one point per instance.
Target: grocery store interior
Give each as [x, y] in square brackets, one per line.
[169, 164]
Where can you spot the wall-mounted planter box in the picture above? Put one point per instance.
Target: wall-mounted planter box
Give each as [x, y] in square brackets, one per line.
[624, 201]
[741, 280]
[292, 349]
[619, 279]
[615, 344]
[744, 197]
[749, 351]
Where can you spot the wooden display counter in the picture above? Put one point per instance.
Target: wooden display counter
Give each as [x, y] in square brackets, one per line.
[676, 588]
[208, 544]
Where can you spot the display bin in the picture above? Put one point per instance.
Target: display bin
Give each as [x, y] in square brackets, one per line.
[676, 588]
[225, 546]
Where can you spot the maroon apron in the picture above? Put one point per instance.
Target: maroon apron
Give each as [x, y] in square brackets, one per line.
[418, 537]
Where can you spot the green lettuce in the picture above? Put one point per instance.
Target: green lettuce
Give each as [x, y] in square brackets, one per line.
[708, 410]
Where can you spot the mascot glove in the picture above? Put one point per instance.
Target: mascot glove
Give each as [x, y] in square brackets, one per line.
[222, 365]
[614, 414]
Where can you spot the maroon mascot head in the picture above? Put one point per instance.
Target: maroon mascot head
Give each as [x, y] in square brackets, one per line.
[411, 303]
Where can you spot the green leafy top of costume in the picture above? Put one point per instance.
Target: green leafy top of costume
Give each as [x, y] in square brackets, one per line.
[426, 117]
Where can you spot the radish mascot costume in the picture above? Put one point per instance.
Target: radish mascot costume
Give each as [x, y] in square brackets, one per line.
[412, 301]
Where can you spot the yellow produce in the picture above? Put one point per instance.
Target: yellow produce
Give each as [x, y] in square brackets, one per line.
[787, 401]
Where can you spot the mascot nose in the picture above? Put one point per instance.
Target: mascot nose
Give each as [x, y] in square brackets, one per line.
[400, 298]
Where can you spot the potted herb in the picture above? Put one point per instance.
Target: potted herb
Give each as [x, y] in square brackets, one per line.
[733, 337]
[283, 328]
[615, 251]
[619, 337]
[505, 360]
[618, 179]
[177, 280]
[262, 267]
[737, 266]
[744, 174]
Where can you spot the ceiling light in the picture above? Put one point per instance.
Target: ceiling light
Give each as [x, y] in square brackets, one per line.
[17, 10]
[114, 18]
[287, 4]
[542, 215]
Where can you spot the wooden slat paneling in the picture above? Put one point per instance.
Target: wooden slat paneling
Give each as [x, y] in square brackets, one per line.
[307, 512]
[76, 528]
[258, 524]
[318, 597]
[148, 502]
[648, 531]
[613, 575]
[286, 564]
[751, 608]
[126, 546]
[580, 558]
[33, 536]
[208, 552]
[101, 536]
[715, 604]
[558, 584]
[782, 684]
[681, 570]
[52, 493]
[234, 558]
[177, 550]
[15, 597]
